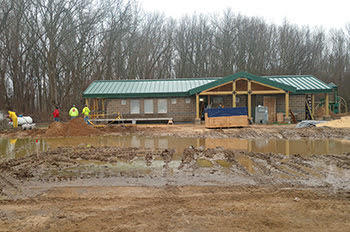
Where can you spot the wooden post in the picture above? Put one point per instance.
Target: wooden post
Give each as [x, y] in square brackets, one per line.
[313, 104]
[94, 107]
[197, 106]
[234, 94]
[327, 105]
[249, 99]
[287, 104]
[103, 107]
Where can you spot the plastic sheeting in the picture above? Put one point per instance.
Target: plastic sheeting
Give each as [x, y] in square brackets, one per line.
[308, 123]
[226, 112]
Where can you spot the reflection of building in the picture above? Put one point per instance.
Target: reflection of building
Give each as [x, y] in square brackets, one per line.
[181, 99]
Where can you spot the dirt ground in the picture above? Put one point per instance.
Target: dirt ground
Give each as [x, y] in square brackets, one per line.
[86, 188]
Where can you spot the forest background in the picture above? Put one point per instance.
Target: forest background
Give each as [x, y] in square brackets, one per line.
[51, 50]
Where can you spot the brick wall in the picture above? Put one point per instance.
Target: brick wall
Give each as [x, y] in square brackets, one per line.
[296, 104]
[181, 109]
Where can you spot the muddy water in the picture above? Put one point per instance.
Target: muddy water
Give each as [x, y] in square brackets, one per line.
[14, 148]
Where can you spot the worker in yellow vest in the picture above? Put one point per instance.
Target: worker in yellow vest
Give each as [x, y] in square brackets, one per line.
[13, 116]
[86, 112]
[73, 112]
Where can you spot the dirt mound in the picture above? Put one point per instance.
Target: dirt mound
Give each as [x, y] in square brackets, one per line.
[75, 127]
[344, 122]
[321, 112]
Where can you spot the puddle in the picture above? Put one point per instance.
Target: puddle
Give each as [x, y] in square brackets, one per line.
[15, 148]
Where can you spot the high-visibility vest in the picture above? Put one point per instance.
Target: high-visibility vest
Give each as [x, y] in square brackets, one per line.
[73, 112]
[86, 111]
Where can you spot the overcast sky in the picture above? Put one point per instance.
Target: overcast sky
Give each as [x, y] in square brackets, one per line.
[325, 13]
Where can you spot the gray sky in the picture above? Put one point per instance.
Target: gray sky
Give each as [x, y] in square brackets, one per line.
[325, 13]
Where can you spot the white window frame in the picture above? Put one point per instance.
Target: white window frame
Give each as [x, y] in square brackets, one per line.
[173, 101]
[148, 106]
[123, 102]
[162, 106]
[188, 100]
[135, 106]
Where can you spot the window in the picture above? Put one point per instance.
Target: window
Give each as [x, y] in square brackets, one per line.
[148, 105]
[123, 102]
[188, 100]
[162, 106]
[135, 106]
[173, 101]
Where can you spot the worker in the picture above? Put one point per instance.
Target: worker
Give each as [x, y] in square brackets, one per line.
[13, 117]
[56, 115]
[86, 112]
[73, 112]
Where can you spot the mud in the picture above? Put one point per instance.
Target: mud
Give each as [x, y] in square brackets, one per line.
[87, 188]
[77, 127]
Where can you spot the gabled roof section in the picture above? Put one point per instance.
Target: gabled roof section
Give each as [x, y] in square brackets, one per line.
[144, 88]
[243, 75]
[302, 83]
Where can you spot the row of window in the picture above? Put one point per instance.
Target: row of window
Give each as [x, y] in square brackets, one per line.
[148, 105]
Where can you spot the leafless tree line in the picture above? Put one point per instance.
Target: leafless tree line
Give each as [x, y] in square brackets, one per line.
[51, 50]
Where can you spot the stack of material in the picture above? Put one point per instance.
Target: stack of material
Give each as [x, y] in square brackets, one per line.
[226, 117]
[344, 122]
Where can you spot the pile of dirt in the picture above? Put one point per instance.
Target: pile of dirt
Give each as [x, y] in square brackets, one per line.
[321, 112]
[75, 127]
[344, 122]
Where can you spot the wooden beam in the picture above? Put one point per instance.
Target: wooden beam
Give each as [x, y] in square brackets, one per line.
[249, 99]
[234, 94]
[327, 104]
[197, 106]
[241, 92]
[268, 92]
[216, 93]
[313, 104]
[286, 98]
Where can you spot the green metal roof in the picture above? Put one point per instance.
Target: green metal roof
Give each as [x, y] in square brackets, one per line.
[243, 75]
[302, 83]
[186, 87]
[144, 88]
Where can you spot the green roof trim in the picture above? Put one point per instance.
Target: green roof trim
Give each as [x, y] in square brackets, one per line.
[242, 75]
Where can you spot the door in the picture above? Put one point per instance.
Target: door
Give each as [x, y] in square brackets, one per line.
[270, 103]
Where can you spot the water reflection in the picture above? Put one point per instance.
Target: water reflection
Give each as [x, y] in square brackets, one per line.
[14, 148]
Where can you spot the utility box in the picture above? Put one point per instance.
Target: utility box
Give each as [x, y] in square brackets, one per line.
[261, 114]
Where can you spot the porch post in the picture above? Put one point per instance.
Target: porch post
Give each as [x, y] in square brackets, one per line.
[313, 104]
[197, 120]
[103, 108]
[234, 94]
[326, 105]
[286, 98]
[249, 99]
